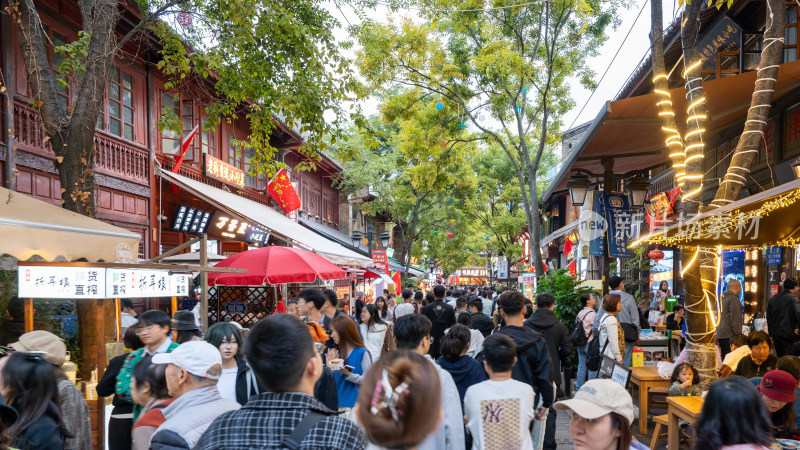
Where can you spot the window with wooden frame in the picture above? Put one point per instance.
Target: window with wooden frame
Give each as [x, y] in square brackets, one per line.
[234, 151]
[791, 138]
[258, 181]
[208, 138]
[120, 103]
[187, 120]
[170, 140]
[790, 45]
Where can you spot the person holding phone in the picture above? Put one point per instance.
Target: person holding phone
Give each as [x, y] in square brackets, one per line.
[349, 360]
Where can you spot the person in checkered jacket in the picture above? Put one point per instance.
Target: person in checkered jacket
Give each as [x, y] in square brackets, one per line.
[281, 352]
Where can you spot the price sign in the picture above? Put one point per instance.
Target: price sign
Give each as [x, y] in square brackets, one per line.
[61, 282]
[190, 220]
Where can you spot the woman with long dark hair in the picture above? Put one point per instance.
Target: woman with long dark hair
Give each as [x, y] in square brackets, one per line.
[355, 361]
[28, 384]
[383, 309]
[722, 423]
[373, 331]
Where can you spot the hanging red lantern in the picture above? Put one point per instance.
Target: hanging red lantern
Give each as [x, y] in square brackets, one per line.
[185, 19]
[656, 255]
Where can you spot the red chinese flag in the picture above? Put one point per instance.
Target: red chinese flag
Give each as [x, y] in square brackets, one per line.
[185, 143]
[568, 246]
[571, 267]
[397, 282]
[281, 189]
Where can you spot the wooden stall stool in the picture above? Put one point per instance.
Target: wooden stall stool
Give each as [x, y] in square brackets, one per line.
[658, 391]
[661, 421]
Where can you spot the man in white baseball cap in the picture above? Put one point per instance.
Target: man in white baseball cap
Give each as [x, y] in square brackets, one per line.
[601, 413]
[192, 374]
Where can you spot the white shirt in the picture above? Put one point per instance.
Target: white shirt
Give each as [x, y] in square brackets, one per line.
[609, 327]
[161, 348]
[227, 383]
[732, 359]
[126, 320]
[499, 413]
[373, 339]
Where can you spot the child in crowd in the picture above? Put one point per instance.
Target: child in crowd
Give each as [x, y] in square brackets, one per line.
[739, 349]
[499, 410]
[685, 381]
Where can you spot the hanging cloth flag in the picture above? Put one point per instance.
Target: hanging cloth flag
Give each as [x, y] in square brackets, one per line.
[571, 267]
[185, 143]
[281, 189]
[568, 246]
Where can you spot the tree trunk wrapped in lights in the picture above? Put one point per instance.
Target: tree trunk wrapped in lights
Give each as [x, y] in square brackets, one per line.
[700, 264]
[674, 141]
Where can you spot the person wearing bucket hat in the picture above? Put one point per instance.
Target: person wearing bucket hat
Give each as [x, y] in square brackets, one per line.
[74, 410]
[601, 413]
[184, 327]
[777, 391]
[194, 369]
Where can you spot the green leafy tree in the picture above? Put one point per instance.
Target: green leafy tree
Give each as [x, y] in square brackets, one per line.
[414, 163]
[257, 58]
[498, 68]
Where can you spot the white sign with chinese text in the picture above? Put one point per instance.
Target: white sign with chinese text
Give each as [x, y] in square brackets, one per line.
[128, 283]
[61, 282]
[98, 283]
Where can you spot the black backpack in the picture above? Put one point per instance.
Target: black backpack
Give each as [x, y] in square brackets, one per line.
[578, 335]
[594, 356]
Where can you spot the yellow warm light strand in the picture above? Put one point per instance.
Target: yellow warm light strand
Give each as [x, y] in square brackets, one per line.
[694, 192]
[693, 157]
[657, 77]
[693, 132]
[696, 117]
[696, 102]
[692, 67]
[664, 102]
[659, 91]
[666, 113]
[694, 146]
[691, 262]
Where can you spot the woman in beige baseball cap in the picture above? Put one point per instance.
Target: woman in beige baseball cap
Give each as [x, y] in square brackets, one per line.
[601, 414]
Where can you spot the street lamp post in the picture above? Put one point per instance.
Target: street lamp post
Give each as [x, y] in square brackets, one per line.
[636, 188]
[488, 255]
[358, 238]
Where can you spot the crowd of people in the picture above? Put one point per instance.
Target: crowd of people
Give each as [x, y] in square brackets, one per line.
[453, 368]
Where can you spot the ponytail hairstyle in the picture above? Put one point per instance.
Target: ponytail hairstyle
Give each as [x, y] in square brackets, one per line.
[399, 401]
[454, 342]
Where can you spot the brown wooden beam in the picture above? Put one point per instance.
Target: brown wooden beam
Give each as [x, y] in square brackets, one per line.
[28, 315]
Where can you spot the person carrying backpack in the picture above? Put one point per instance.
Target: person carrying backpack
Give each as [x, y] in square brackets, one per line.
[533, 361]
[582, 335]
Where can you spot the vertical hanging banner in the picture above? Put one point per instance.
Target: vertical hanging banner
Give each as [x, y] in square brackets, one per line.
[592, 224]
[380, 260]
[619, 219]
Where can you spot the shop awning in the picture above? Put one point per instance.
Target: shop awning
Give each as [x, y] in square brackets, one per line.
[629, 130]
[30, 227]
[766, 218]
[395, 265]
[275, 222]
[558, 233]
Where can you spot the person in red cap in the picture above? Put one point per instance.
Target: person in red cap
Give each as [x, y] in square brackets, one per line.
[777, 391]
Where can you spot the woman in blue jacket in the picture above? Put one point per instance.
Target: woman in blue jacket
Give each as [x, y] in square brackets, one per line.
[357, 361]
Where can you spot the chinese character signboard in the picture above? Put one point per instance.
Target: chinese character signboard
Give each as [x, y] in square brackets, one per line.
[620, 224]
[592, 224]
[98, 283]
[236, 228]
[222, 171]
[61, 282]
[527, 278]
[723, 36]
[380, 260]
[235, 308]
[774, 256]
[132, 283]
[190, 220]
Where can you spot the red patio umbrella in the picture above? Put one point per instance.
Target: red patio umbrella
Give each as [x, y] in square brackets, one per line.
[275, 265]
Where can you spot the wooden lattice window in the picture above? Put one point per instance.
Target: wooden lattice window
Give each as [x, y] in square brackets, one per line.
[260, 302]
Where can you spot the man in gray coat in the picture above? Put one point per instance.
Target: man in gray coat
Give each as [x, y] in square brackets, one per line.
[192, 375]
[628, 317]
[730, 321]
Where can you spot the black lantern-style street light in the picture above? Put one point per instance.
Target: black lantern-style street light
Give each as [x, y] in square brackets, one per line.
[358, 238]
[636, 189]
[578, 185]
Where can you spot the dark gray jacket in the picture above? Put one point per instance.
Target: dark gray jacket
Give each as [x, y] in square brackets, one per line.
[730, 322]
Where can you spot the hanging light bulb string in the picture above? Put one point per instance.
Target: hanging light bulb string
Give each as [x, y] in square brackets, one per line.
[674, 142]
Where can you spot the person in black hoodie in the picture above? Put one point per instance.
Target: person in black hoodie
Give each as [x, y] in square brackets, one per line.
[783, 317]
[441, 315]
[480, 321]
[559, 347]
[533, 362]
[121, 422]
[28, 383]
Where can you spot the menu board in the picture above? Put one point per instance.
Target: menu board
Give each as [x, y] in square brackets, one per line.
[235, 228]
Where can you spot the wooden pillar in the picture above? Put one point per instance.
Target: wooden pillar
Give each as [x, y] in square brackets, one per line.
[6, 27]
[101, 367]
[173, 305]
[28, 315]
[118, 315]
[204, 283]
